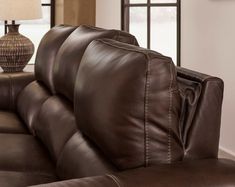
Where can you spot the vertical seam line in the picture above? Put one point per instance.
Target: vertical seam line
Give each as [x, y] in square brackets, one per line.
[170, 116]
[147, 88]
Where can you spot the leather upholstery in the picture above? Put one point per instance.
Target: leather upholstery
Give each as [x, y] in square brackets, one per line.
[90, 161]
[128, 109]
[30, 101]
[202, 97]
[11, 123]
[54, 128]
[47, 52]
[130, 94]
[21, 152]
[199, 173]
[10, 86]
[72, 51]
[22, 179]
[100, 181]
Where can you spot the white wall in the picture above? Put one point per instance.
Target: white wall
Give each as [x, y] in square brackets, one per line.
[108, 14]
[208, 45]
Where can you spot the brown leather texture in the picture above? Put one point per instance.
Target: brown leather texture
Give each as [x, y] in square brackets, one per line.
[55, 124]
[11, 85]
[199, 173]
[99, 181]
[23, 179]
[71, 52]
[202, 97]
[11, 123]
[81, 158]
[30, 102]
[47, 52]
[21, 152]
[113, 108]
[130, 94]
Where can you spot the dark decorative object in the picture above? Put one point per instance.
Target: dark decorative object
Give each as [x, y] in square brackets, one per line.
[15, 50]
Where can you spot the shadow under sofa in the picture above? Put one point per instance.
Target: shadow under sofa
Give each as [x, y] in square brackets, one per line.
[100, 111]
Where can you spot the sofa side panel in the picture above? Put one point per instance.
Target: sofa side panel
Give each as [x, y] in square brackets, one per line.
[202, 97]
[11, 84]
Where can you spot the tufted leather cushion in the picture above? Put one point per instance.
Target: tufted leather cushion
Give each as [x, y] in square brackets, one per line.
[47, 51]
[30, 101]
[81, 158]
[127, 102]
[55, 124]
[71, 52]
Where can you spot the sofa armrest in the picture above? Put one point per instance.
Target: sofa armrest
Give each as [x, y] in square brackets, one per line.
[198, 173]
[202, 97]
[11, 85]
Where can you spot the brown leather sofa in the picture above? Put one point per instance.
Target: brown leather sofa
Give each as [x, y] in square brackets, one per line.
[101, 111]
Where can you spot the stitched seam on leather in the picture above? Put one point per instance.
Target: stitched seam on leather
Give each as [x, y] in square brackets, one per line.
[146, 138]
[146, 53]
[143, 51]
[170, 115]
[114, 179]
[146, 102]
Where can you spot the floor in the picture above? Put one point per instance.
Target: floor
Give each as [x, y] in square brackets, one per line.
[223, 154]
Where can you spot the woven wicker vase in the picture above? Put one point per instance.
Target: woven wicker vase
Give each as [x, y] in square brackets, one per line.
[15, 50]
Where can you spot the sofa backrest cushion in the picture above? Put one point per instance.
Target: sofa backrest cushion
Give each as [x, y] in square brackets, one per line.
[29, 102]
[71, 52]
[82, 158]
[47, 109]
[127, 103]
[55, 124]
[46, 54]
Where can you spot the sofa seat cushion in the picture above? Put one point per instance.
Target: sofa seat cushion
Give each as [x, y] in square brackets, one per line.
[22, 179]
[11, 123]
[20, 152]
